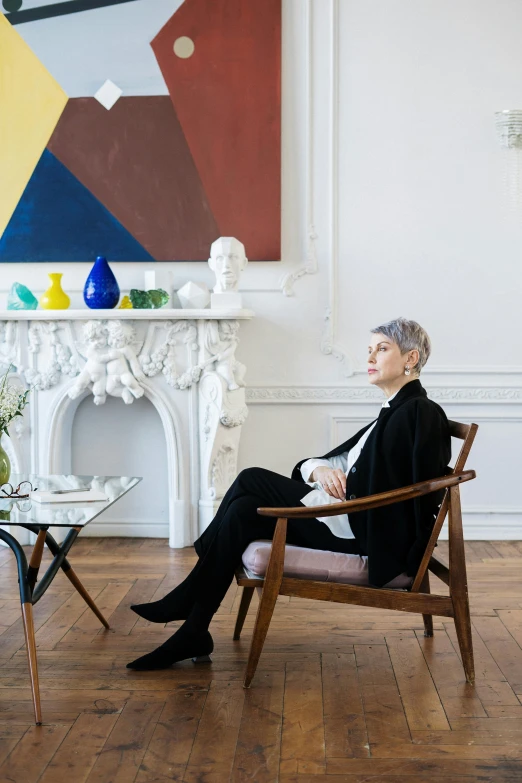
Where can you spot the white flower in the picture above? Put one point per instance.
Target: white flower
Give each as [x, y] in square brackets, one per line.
[13, 400]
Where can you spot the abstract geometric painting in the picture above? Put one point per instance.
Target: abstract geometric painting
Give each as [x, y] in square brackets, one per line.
[139, 129]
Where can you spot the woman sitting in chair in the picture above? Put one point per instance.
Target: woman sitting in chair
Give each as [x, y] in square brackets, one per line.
[407, 443]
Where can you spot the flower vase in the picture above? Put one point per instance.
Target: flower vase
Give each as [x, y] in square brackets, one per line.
[5, 467]
[101, 291]
[55, 297]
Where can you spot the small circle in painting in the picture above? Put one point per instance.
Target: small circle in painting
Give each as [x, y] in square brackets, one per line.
[12, 5]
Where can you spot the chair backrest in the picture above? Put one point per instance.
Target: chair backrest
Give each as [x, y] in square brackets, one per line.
[465, 432]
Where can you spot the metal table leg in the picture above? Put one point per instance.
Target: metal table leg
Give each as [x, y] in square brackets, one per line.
[27, 615]
[31, 591]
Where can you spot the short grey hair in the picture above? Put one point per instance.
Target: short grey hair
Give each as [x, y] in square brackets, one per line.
[409, 336]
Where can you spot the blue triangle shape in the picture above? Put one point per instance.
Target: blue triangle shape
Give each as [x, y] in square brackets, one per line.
[58, 219]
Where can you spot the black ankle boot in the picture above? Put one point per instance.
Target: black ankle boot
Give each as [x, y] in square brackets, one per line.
[176, 605]
[164, 611]
[179, 647]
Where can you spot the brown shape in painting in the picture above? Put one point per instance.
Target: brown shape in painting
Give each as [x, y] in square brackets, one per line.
[135, 160]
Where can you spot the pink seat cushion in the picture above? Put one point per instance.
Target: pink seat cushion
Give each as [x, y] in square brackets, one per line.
[316, 564]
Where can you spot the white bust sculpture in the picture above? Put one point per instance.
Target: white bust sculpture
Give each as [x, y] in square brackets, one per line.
[227, 261]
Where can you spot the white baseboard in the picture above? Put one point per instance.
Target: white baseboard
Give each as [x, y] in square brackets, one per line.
[479, 525]
[127, 529]
[495, 525]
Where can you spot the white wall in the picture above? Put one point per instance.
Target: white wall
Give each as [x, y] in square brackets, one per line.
[391, 161]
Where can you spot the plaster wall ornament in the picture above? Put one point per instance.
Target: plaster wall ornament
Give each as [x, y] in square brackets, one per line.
[59, 358]
[94, 373]
[8, 345]
[221, 414]
[310, 267]
[227, 261]
[223, 470]
[111, 366]
[220, 342]
[163, 358]
[234, 418]
[124, 373]
[338, 394]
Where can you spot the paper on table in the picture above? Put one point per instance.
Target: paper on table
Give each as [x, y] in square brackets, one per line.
[81, 496]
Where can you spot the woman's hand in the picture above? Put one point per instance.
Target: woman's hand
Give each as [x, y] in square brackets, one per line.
[333, 481]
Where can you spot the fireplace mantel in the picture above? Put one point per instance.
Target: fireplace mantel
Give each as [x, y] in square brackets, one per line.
[183, 361]
[161, 314]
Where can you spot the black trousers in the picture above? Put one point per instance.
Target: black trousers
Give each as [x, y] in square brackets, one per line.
[237, 524]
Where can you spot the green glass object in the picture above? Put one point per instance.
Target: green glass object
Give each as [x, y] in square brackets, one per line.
[21, 298]
[148, 300]
[140, 299]
[158, 297]
[5, 466]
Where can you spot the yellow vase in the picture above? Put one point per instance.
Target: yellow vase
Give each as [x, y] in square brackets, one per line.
[55, 297]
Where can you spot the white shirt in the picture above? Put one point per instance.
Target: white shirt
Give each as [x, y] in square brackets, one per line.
[339, 525]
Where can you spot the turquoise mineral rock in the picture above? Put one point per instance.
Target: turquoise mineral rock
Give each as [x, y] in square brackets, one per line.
[20, 298]
[148, 300]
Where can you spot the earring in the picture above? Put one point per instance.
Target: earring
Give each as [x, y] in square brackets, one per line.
[406, 370]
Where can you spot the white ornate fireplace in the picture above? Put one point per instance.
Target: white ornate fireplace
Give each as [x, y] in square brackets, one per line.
[183, 361]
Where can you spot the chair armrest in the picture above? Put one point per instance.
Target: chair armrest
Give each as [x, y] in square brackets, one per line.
[372, 501]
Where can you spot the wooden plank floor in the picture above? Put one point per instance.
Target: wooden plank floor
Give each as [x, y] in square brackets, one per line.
[342, 694]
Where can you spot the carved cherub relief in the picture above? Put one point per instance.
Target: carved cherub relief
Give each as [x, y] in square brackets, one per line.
[221, 341]
[95, 369]
[124, 372]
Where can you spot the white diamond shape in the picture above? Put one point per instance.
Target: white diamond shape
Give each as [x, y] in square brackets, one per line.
[108, 94]
[194, 295]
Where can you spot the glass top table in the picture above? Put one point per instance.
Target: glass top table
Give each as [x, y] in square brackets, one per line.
[38, 518]
[63, 512]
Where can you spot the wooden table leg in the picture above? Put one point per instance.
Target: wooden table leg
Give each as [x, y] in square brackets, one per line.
[27, 612]
[36, 558]
[30, 643]
[64, 564]
[72, 577]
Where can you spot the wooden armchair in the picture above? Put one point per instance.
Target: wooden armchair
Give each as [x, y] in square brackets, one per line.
[417, 599]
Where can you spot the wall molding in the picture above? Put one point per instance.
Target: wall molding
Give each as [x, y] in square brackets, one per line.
[311, 266]
[329, 343]
[484, 524]
[480, 524]
[477, 369]
[306, 395]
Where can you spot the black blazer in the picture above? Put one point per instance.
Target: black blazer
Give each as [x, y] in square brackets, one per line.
[410, 443]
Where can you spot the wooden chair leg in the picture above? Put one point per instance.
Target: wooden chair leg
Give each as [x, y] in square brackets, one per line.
[271, 585]
[463, 628]
[30, 643]
[459, 585]
[264, 615]
[428, 618]
[71, 576]
[246, 597]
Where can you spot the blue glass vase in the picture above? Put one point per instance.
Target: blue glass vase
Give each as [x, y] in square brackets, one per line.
[101, 290]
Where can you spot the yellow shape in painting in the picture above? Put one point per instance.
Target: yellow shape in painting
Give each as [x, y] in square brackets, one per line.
[31, 103]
